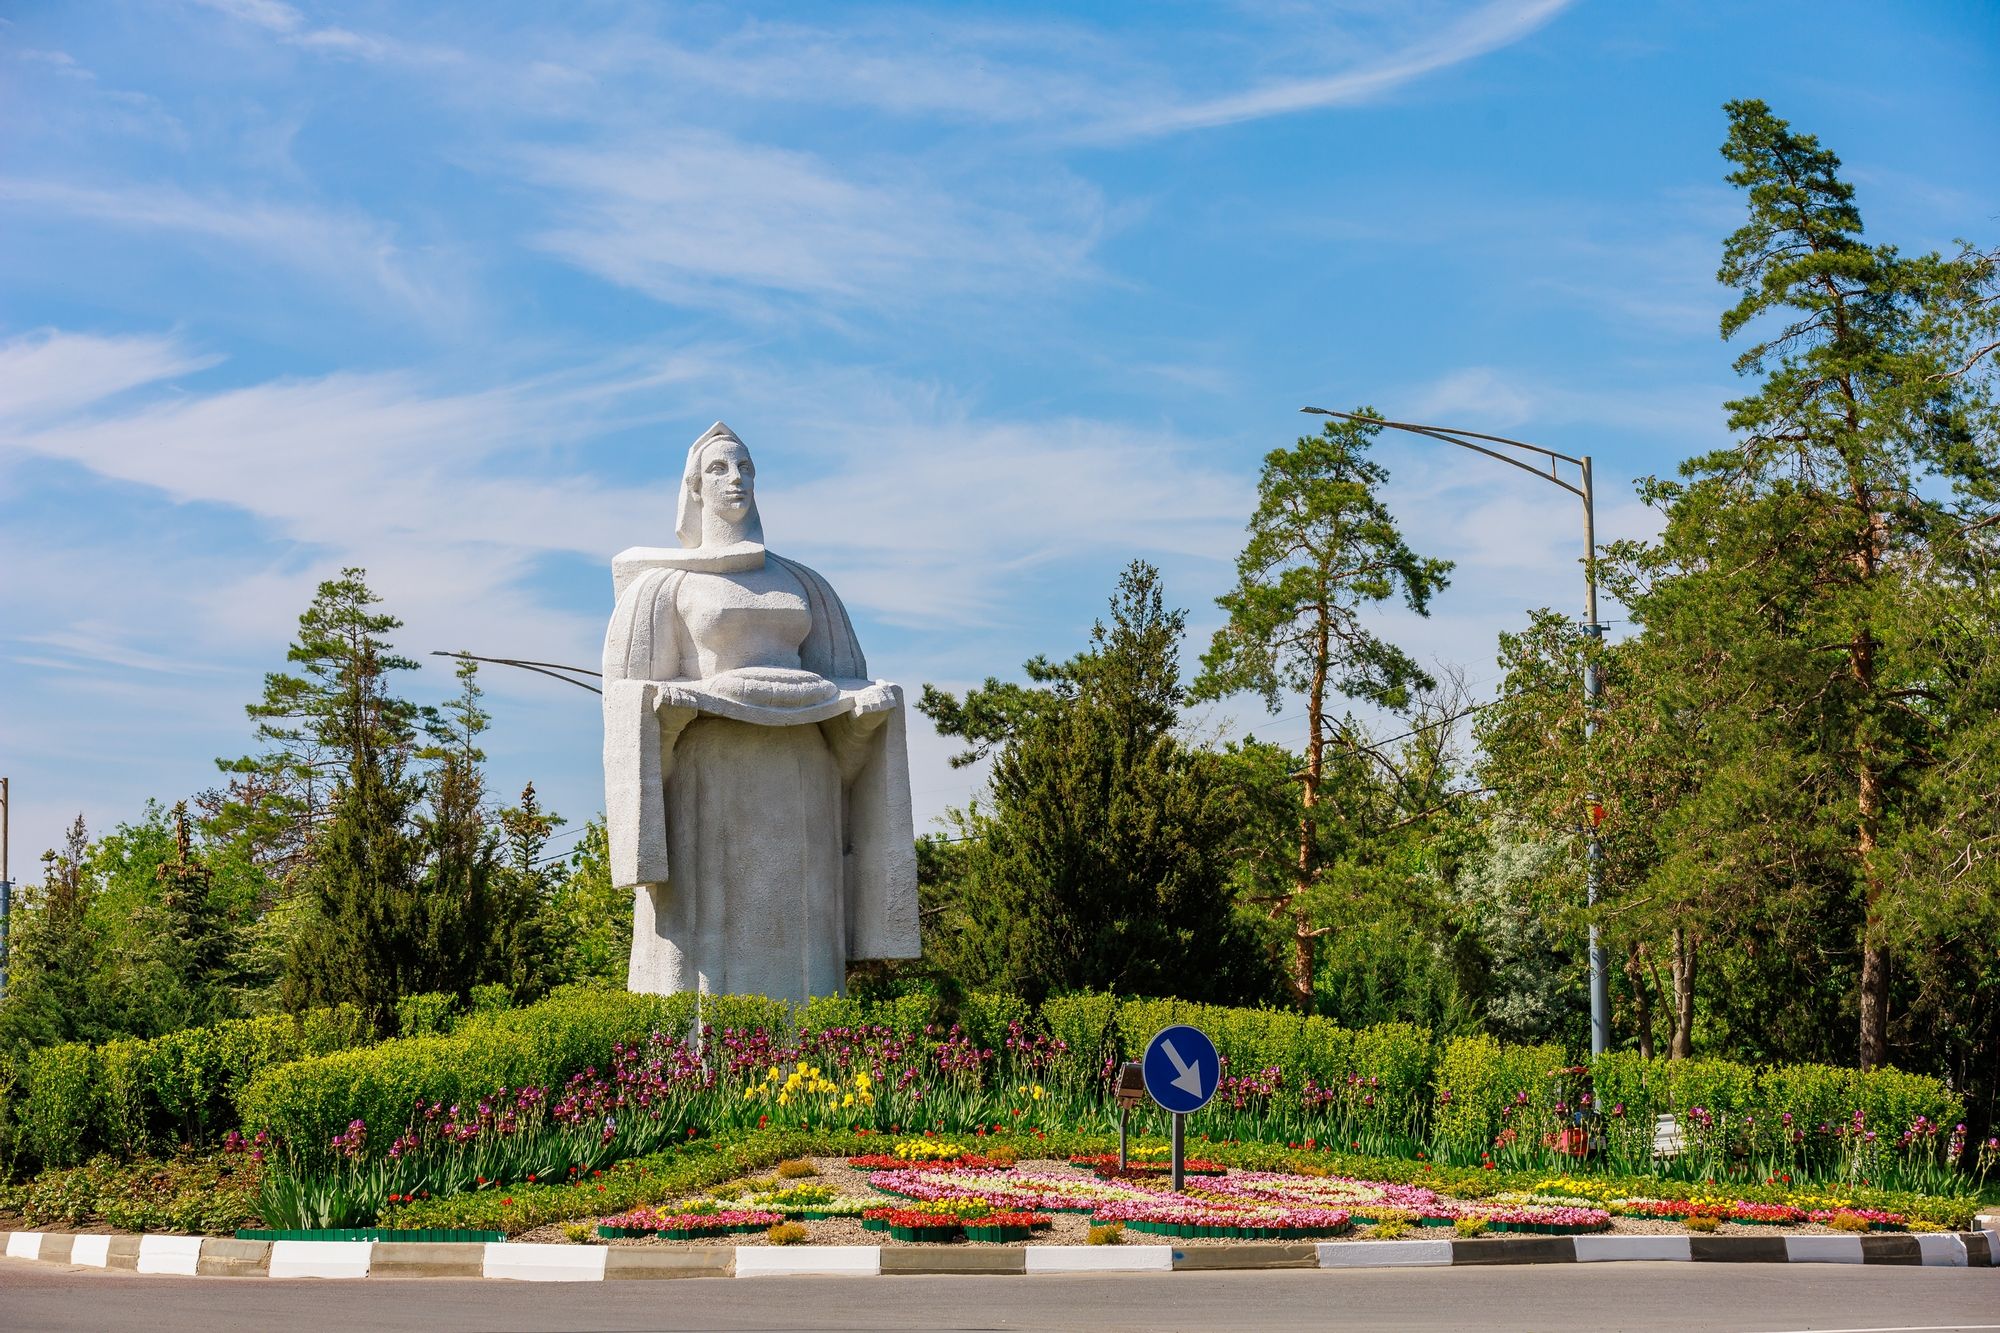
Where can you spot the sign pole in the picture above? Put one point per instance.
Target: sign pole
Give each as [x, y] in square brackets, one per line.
[1124, 1122]
[1182, 1071]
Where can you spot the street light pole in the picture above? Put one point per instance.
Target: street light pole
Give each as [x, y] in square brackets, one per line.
[6, 883]
[1593, 628]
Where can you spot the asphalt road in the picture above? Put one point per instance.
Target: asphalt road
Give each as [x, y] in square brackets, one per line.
[1687, 1297]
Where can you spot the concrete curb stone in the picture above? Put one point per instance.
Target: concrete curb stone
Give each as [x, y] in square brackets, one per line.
[412, 1258]
[996, 1261]
[631, 1261]
[1278, 1255]
[220, 1257]
[1739, 1249]
[234, 1258]
[1891, 1249]
[122, 1252]
[1514, 1250]
[1386, 1254]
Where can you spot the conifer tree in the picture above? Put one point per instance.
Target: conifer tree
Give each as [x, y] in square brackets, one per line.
[315, 726]
[1104, 861]
[1322, 549]
[1789, 557]
[197, 932]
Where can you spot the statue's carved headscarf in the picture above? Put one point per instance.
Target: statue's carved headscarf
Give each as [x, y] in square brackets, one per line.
[687, 517]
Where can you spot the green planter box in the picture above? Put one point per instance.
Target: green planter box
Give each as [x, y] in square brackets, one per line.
[949, 1232]
[996, 1233]
[420, 1234]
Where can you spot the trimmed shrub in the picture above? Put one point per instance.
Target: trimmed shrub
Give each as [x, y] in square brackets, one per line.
[130, 1097]
[1492, 1097]
[426, 1015]
[985, 1016]
[308, 1102]
[60, 1102]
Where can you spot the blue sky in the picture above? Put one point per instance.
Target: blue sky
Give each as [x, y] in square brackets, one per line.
[1001, 297]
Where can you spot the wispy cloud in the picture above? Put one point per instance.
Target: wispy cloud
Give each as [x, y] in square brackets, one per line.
[52, 373]
[693, 213]
[1492, 26]
[348, 253]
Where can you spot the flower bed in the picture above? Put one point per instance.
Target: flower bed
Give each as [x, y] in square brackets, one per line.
[1106, 1165]
[1027, 1190]
[1004, 1226]
[641, 1222]
[1169, 1217]
[921, 1225]
[1540, 1219]
[1876, 1219]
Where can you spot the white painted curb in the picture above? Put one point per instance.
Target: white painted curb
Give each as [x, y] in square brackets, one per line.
[542, 1263]
[818, 1260]
[24, 1245]
[1941, 1251]
[1385, 1254]
[1093, 1258]
[320, 1258]
[1601, 1249]
[179, 1255]
[90, 1251]
[1823, 1249]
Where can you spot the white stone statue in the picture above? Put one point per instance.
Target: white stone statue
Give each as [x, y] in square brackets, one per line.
[756, 781]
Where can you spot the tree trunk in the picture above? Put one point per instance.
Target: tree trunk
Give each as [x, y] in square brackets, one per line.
[1303, 936]
[1682, 1045]
[1874, 1033]
[1642, 1002]
[1303, 954]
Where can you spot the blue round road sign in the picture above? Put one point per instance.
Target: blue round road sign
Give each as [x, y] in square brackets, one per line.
[1181, 1068]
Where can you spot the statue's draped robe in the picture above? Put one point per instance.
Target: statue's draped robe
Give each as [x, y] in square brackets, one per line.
[766, 847]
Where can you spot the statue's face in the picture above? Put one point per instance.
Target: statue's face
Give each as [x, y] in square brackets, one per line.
[728, 480]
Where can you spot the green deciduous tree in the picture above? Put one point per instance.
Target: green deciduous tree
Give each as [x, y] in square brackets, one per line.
[1323, 549]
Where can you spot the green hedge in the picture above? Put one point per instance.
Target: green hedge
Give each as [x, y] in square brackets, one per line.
[308, 1102]
[134, 1096]
[306, 1079]
[575, 1029]
[1758, 1109]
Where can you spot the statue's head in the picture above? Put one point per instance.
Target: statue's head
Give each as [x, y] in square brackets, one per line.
[718, 504]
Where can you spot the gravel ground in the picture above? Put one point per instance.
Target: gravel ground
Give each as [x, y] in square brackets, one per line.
[1068, 1228]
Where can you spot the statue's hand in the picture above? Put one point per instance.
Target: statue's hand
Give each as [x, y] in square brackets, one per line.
[672, 698]
[875, 699]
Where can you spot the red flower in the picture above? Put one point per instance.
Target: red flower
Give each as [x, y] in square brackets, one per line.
[506, 1203]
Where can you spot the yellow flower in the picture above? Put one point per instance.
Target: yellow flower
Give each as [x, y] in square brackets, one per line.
[773, 1075]
[784, 1099]
[1038, 1092]
[847, 1101]
[1022, 1090]
[802, 1066]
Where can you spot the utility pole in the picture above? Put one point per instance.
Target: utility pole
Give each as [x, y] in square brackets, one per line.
[1593, 628]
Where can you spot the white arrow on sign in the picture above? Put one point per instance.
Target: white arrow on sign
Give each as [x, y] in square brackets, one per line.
[1188, 1079]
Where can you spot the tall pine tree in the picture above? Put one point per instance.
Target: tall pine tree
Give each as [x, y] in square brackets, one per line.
[1323, 549]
